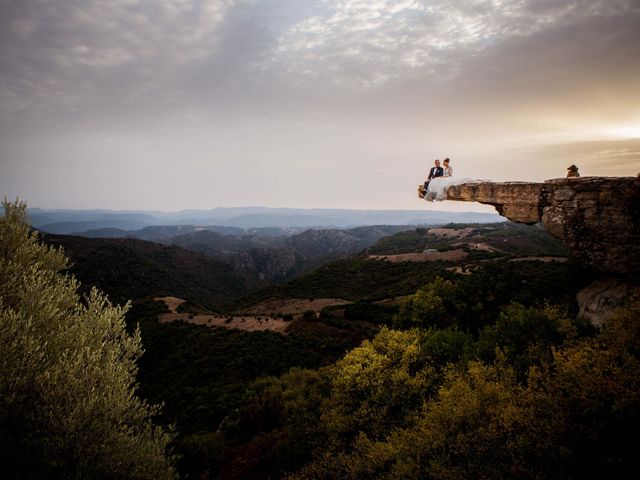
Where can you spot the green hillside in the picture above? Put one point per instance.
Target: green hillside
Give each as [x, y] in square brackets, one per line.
[424, 347]
[507, 238]
[128, 269]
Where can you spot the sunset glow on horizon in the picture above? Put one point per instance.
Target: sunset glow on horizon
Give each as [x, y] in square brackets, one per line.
[166, 105]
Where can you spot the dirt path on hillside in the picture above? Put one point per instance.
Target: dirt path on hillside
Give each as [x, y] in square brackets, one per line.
[250, 323]
[451, 255]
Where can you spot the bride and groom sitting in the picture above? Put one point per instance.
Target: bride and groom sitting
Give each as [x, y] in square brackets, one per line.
[435, 186]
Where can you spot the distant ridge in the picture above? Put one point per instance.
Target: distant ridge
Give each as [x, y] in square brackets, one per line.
[76, 221]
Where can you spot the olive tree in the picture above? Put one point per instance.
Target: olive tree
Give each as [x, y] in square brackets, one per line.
[68, 407]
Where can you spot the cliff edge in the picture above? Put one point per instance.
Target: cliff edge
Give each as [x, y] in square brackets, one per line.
[598, 218]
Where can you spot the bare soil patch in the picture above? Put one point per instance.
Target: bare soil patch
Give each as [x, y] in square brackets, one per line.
[451, 255]
[449, 232]
[172, 303]
[462, 270]
[294, 306]
[483, 247]
[250, 323]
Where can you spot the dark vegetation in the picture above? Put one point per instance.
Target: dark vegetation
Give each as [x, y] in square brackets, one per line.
[201, 372]
[403, 242]
[353, 278]
[279, 257]
[361, 279]
[127, 269]
[206, 377]
[68, 407]
[506, 237]
[427, 374]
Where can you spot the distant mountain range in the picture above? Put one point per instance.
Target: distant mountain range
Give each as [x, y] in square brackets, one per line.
[120, 223]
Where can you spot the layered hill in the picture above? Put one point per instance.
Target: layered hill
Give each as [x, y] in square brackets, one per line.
[276, 258]
[377, 273]
[127, 269]
[76, 221]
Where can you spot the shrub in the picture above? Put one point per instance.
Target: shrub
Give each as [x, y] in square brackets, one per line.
[309, 315]
[67, 391]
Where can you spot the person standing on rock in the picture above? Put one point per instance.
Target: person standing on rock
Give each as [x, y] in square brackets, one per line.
[572, 172]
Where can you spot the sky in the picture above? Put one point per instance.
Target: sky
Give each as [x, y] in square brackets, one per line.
[176, 104]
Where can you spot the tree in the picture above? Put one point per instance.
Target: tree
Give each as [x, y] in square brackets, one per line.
[526, 334]
[576, 415]
[431, 305]
[68, 407]
[376, 386]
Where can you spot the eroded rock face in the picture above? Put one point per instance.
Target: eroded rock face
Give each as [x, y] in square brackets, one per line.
[598, 218]
[600, 299]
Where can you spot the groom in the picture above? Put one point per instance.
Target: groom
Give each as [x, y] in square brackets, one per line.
[436, 171]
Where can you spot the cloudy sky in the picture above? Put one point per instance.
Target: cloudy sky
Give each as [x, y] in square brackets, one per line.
[172, 104]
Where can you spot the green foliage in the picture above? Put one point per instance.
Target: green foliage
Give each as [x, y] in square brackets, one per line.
[510, 239]
[355, 278]
[202, 374]
[127, 268]
[448, 345]
[479, 426]
[526, 334]
[279, 418]
[193, 308]
[375, 386]
[381, 314]
[402, 242]
[576, 414]
[429, 306]
[67, 403]
[475, 300]
[309, 315]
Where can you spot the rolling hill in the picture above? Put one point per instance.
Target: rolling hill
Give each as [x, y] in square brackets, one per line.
[128, 269]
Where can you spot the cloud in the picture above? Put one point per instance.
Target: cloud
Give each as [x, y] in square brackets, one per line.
[76, 56]
[334, 90]
[369, 43]
[65, 55]
[602, 157]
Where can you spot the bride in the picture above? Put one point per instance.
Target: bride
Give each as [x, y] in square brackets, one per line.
[438, 186]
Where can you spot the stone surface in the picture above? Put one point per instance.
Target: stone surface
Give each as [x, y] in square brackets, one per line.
[598, 218]
[600, 299]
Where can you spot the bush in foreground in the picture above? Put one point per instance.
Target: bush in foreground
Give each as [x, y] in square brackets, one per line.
[67, 392]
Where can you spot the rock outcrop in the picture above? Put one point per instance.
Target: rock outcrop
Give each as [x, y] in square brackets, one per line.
[598, 218]
[602, 297]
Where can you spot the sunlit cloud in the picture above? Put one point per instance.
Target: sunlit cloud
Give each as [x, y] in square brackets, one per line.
[625, 131]
[212, 99]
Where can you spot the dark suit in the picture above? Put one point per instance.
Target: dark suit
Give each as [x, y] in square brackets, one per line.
[433, 173]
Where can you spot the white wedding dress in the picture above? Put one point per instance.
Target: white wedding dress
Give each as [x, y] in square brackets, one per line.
[438, 186]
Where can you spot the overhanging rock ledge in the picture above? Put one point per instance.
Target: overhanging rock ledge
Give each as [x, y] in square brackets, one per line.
[598, 218]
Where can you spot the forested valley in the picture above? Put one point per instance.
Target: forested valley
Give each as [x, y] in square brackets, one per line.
[448, 352]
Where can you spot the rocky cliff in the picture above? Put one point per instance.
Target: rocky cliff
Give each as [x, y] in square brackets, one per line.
[598, 218]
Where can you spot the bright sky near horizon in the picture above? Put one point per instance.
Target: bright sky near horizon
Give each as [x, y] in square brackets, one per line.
[174, 104]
